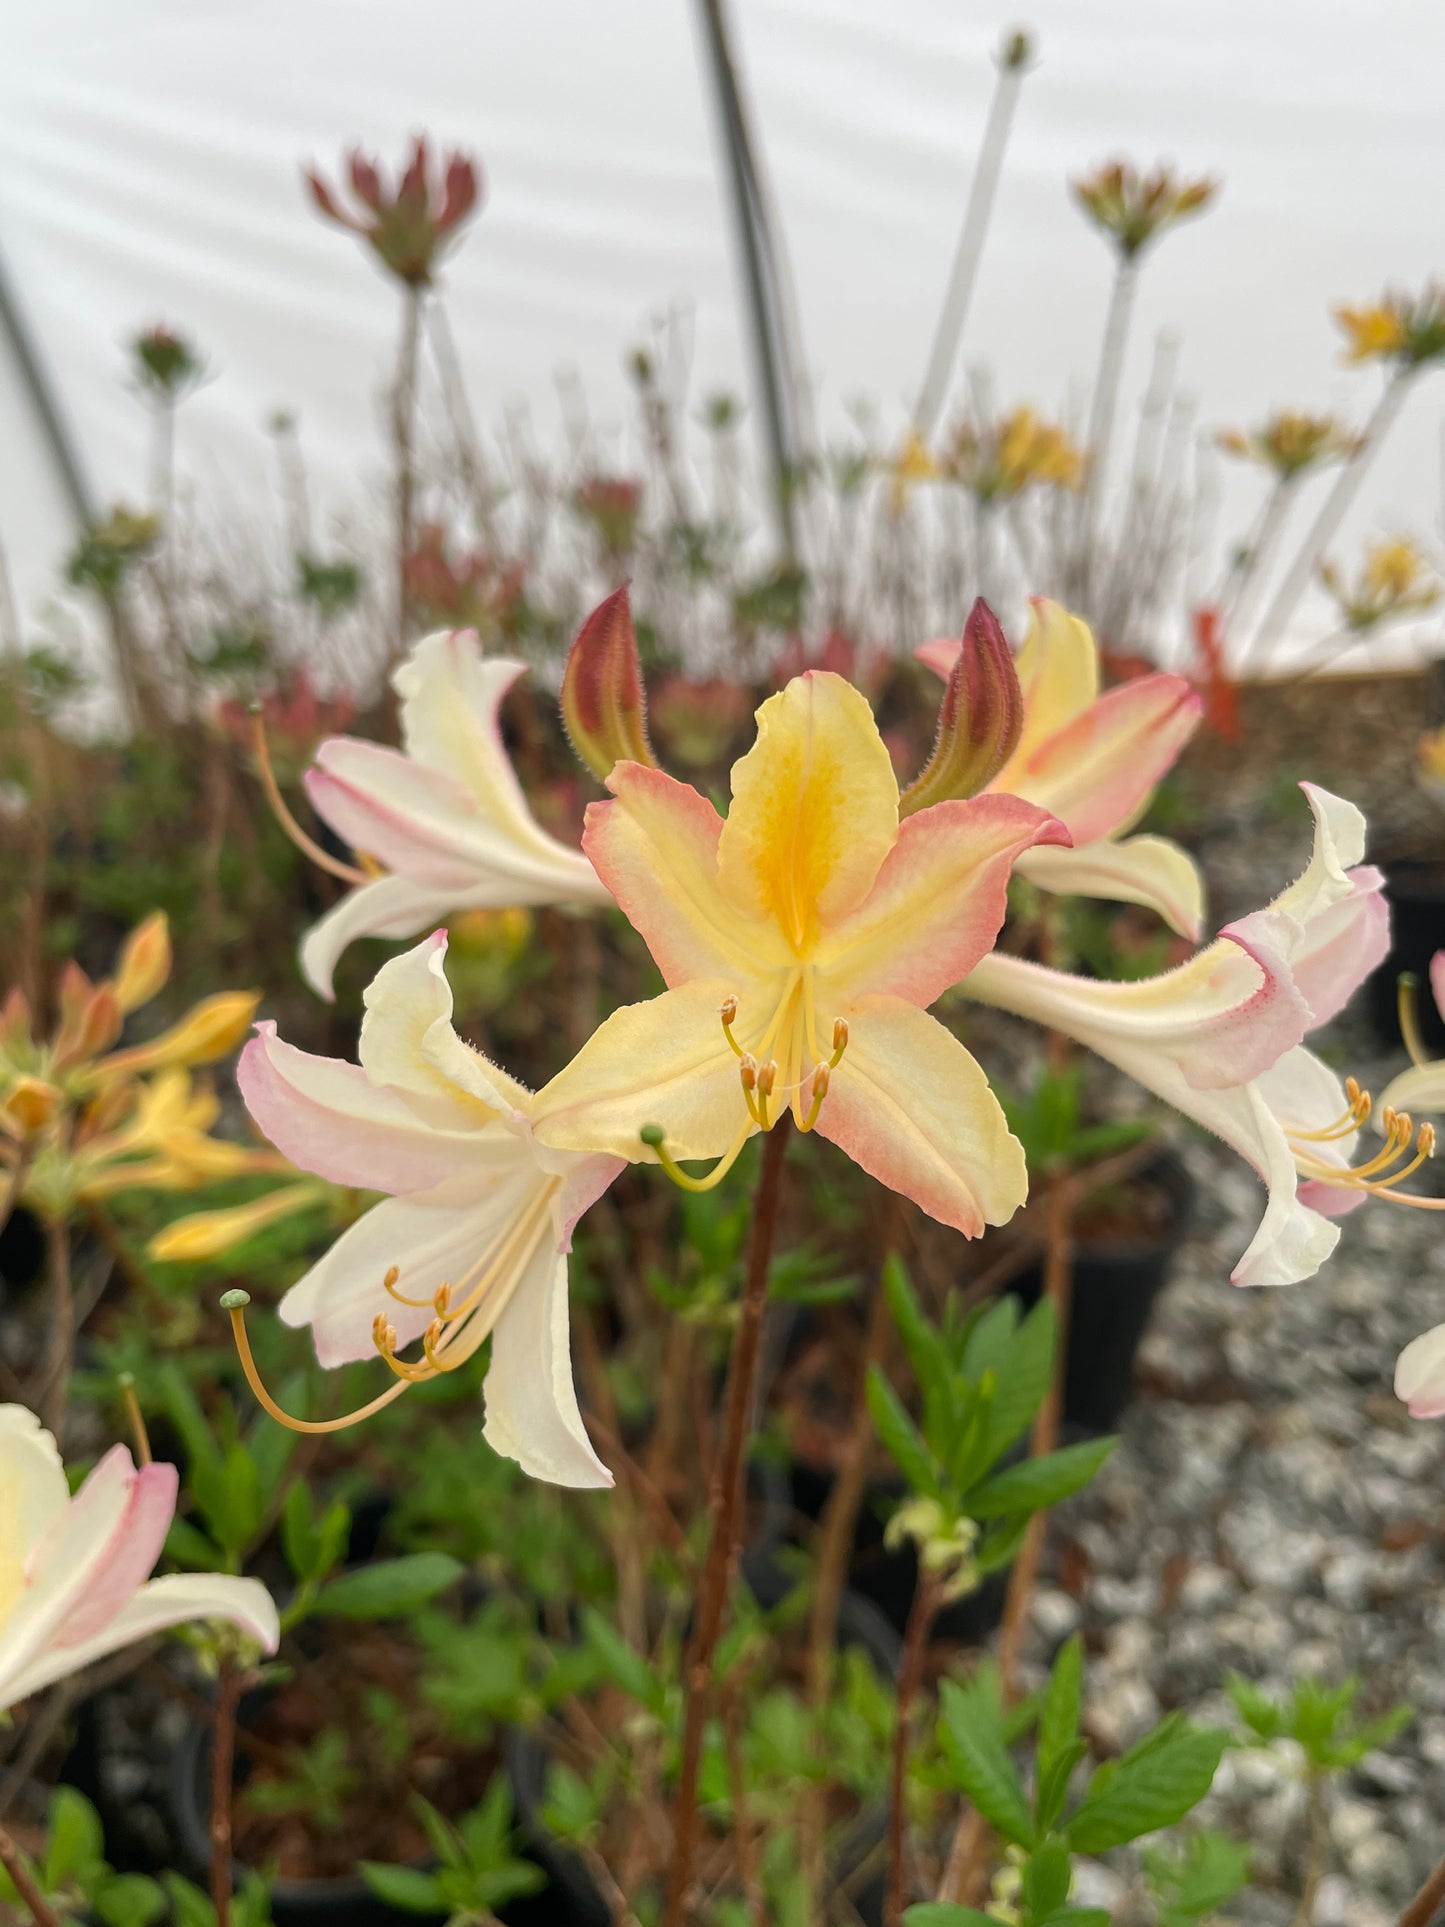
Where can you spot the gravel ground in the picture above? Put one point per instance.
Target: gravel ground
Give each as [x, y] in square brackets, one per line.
[1273, 1509]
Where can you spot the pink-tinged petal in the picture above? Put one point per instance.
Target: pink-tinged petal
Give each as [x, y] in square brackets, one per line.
[1342, 945]
[1420, 1374]
[328, 1117]
[911, 1106]
[1330, 1200]
[1098, 770]
[940, 655]
[655, 848]
[413, 820]
[130, 1558]
[583, 1181]
[1306, 1098]
[180, 1599]
[408, 1045]
[1437, 981]
[387, 907]
[1148, 870]
[938, 903]
[531, 1401]
[666, 1062]
[1339, 847]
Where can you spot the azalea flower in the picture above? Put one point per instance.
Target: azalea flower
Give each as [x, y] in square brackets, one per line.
[441, 824]
[1420, 1374]
[801, 939]
[1219, 1038]
[74, 1572]
[471, 1241]
[1093, 762]
[1132, 208]
[1422, 1087]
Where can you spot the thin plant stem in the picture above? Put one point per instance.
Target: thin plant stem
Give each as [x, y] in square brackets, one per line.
[1327, 522]
[55, 1385]
[1245, 574]
[468, 443]
[403, 428]
[223, 1753]
[1317, 1861]
[1427, 1903]
[1102, 412]
[967, 1864]
[725, 1507]
[747, 1846]
[910, 1680]
[953, 316]
[13, 1861]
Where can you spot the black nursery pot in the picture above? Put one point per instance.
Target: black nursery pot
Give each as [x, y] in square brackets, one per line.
[1416, 894]
[1115, 1282]
[572, 1899]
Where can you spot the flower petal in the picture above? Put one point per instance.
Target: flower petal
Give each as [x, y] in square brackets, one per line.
[1341, 945]
[415, 821]
[1437, 981]
[328, 1117]
[387, 907]
[1420, 1374]
[1305, 1095]
[180, 1599]
[130, 1558]
[532, 1413]
[665, 1062]
[408, 1044]
[1098, 771]
[1339, 846]
[910, 1105]
[32, 1478]
[656, 848]
[1058, 671]
[938, 904]
[447, 1236]
[1137, 869]
[1421, 1088]
[814, 809]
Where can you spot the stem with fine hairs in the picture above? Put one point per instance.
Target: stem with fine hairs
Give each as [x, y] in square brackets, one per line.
[1427, 1903]
[910, 1679]
[725, 1507]
[223, 1752]
[13, 1861]
[967, 1866]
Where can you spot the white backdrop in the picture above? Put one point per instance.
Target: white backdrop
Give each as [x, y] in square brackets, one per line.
[148, 169]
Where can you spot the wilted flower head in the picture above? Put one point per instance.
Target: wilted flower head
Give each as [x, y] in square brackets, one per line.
[1289, 442]
[610, 503]
[1132, 208]
[408, 226]
[1393, 582]
[1018, 451]
[1398, 328]
[166, 364]
[104, 554]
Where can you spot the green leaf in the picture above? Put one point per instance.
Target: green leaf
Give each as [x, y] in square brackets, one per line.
[1038, 1482]
[981, 1767]
[1254, 1706]
[128, 1900]
[622, 1662]
[76, 1846]
[1053, 1783]
[1022, 1377]
[1046, 1879]
[389, 1587]
[1060, 1704]
[1079, 1917]
[405, 1887]
[900, 1436]
[1155, 1784]
[920, 1340]
[943, 1913]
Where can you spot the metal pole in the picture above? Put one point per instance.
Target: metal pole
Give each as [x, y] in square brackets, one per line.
[36, 379]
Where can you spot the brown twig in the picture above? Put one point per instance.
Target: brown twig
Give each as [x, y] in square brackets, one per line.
[747, 1846]
[725, 1506]
[13, 1861]
[1427, 1903]
[223, 1751]
[910, 1679]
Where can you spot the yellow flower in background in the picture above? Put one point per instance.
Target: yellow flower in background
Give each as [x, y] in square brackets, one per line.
[1430, 753]
[1290, 442]
[1018, 451]
[1132, 207]
[911, 465]
[1396, 328]
[1394, 582]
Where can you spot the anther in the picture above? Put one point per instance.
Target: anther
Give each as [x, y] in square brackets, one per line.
[821, 1076]
[728, 1012]
[442, 1300]
[767, 1077]
[840, 1041]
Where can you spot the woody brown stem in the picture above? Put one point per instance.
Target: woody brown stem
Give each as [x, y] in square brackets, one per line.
[223, 1750]
[910, 1679]
[725, 1507]
[13, 1861]
[1427, 1903]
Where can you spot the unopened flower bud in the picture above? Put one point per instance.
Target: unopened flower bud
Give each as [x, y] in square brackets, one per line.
[212, 1029]
[979, 720]
[145, 963]
[604, 703]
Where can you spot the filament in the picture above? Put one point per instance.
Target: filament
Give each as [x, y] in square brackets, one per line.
[308, 846]
[1407, 1007]
[235, 1303]
[652, 1136]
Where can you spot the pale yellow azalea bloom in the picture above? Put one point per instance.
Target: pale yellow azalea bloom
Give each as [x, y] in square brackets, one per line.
[801, 938]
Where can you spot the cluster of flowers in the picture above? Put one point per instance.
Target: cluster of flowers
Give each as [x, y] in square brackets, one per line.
[801, 939]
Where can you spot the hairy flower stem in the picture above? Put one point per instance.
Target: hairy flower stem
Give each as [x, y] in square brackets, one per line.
[1427, 1903]
[953, 316]
[725, 1508]
[910, 1680]
[1102, 412]
[13, 1861]
[1327, 522]
[223, 1751]
[967, 1866]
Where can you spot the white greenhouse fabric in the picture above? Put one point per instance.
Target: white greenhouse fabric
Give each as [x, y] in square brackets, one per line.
[148, 169]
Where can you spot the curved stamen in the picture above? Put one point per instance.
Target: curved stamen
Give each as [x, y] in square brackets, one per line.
[767, 1078]
[652, 1136]
[388, 1285]
[840, 1042]
[235, 1302]
[821, 1075]
[308, 846]
[728, 1012]
[1407, 1008]
[1359, 1104]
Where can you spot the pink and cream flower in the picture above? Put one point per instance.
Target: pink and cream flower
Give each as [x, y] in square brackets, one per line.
[801, 939]
[471, 1241]
[75, 1582]
[1093, 761]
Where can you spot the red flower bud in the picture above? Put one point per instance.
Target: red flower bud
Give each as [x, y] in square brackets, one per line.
[604, 703]
[979, 720]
